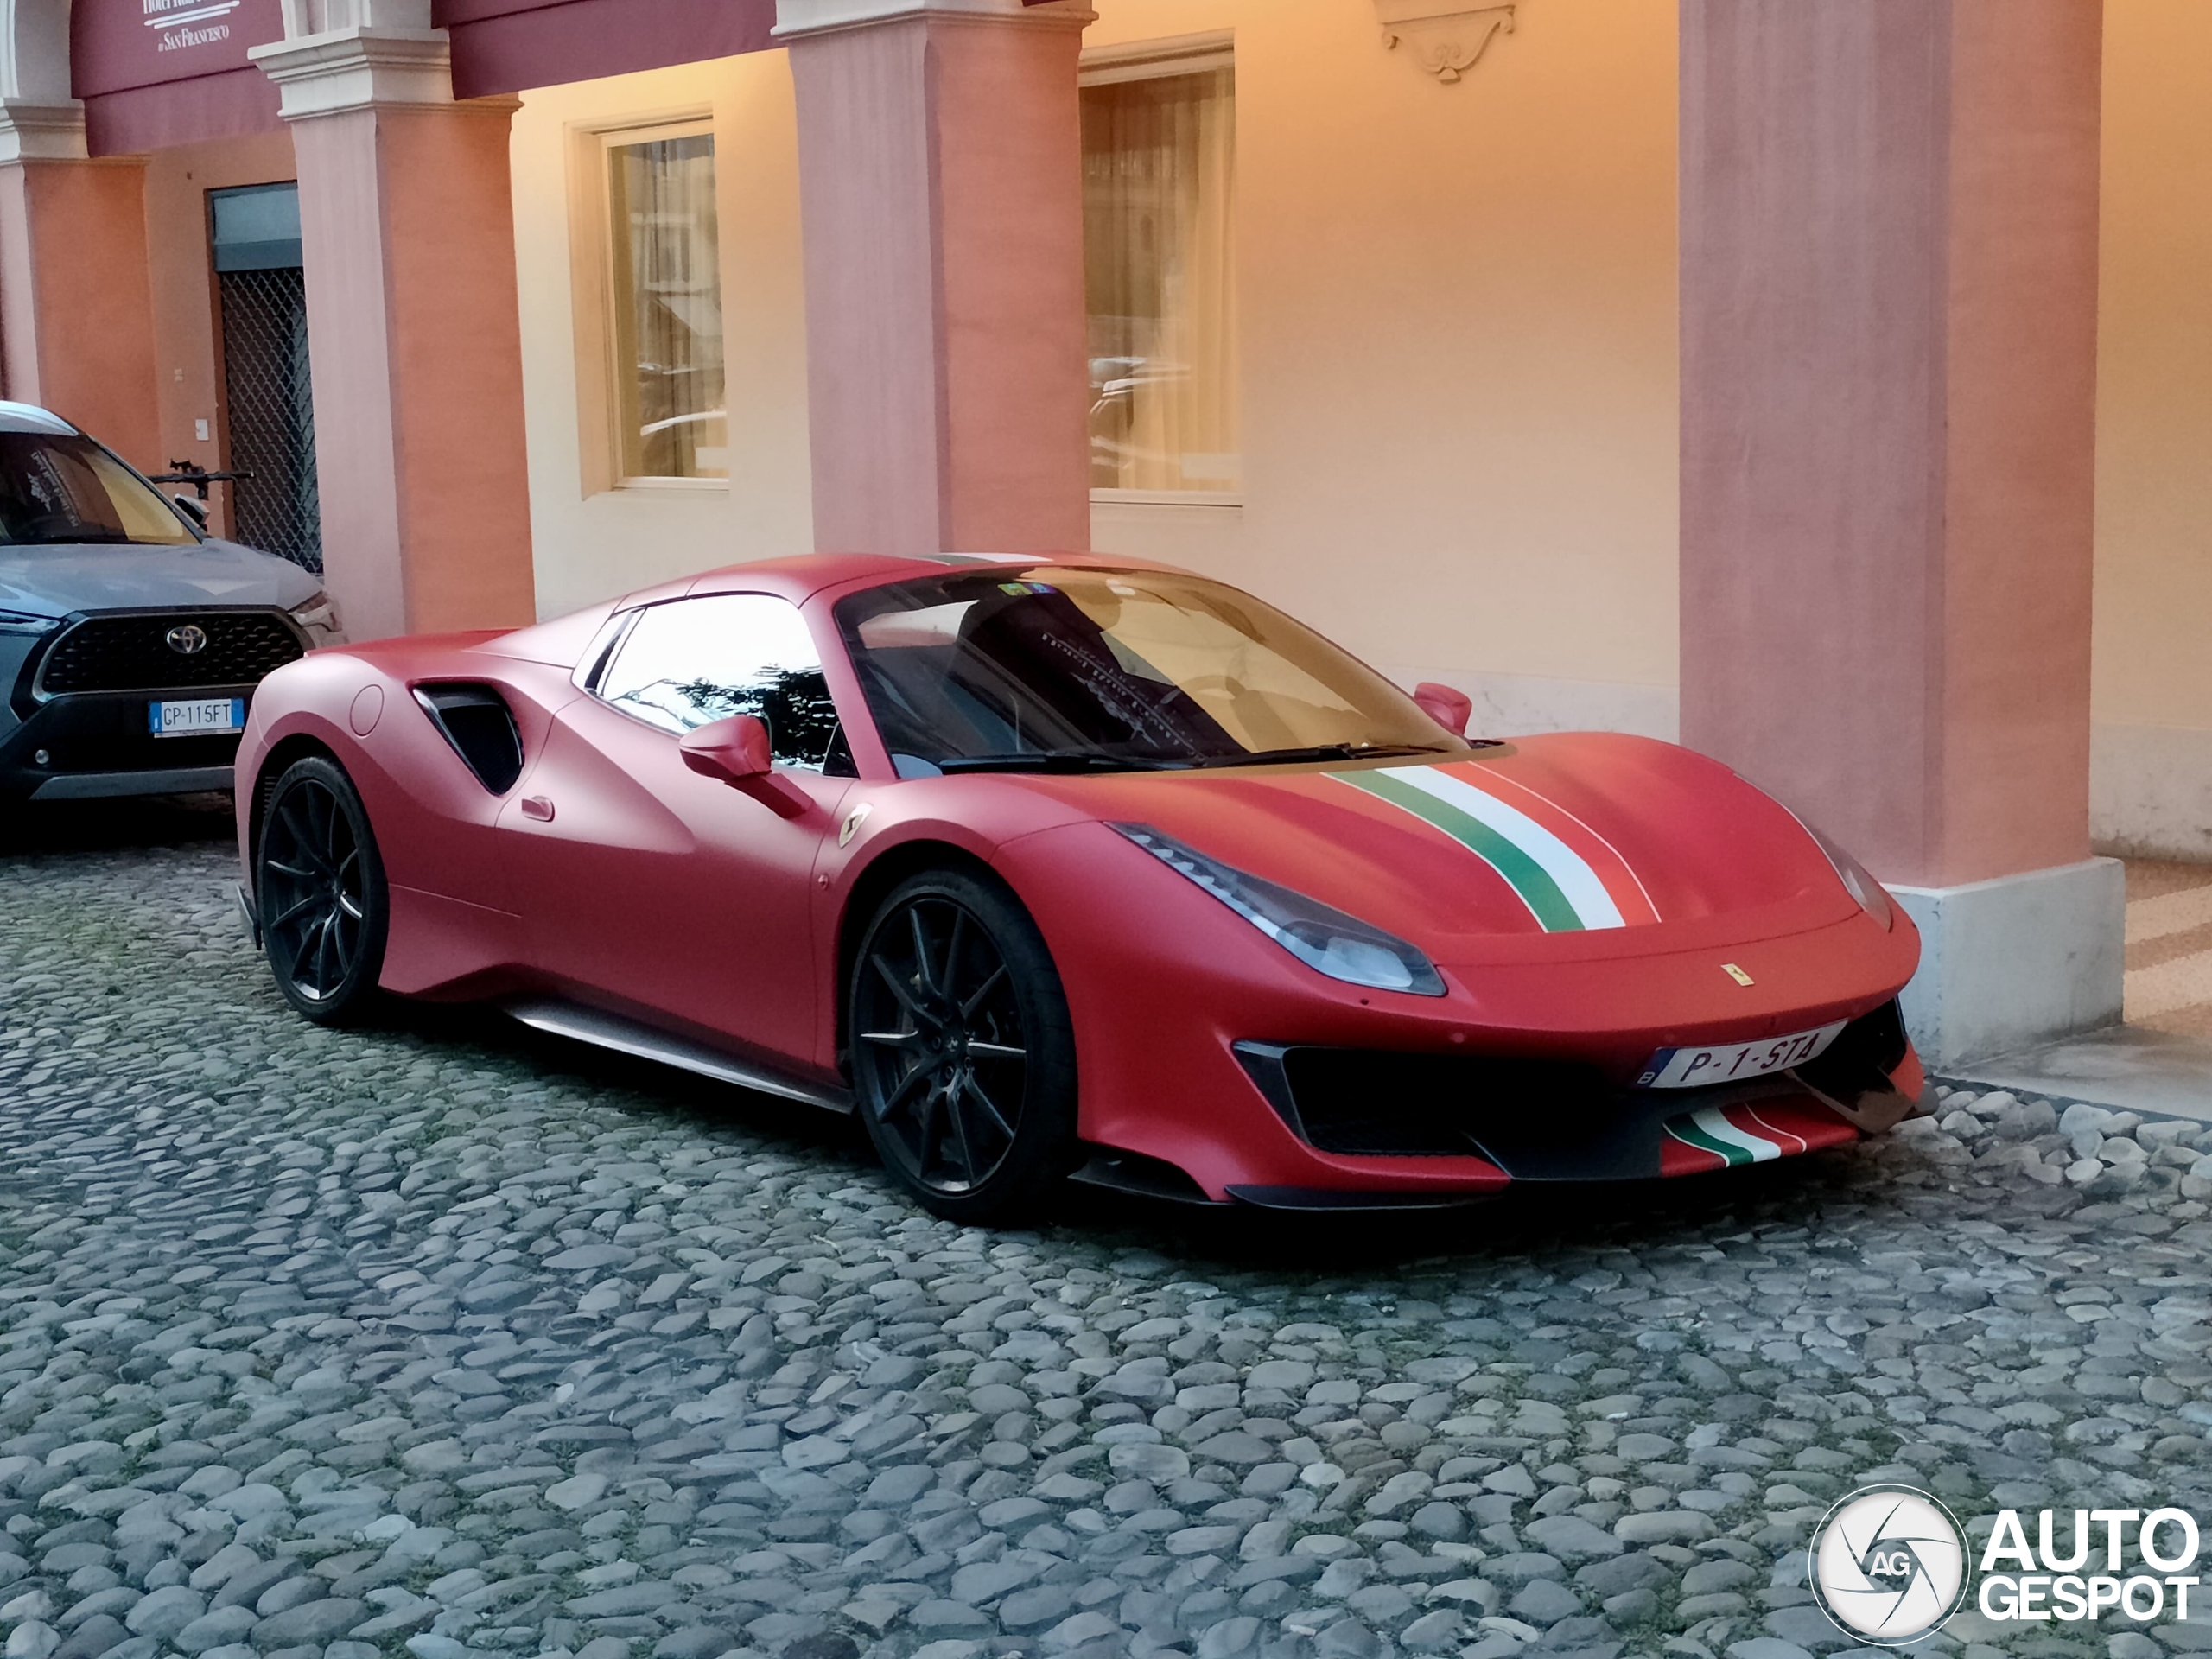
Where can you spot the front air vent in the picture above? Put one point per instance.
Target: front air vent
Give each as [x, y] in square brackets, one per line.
[1369, 1103]
[476, 720]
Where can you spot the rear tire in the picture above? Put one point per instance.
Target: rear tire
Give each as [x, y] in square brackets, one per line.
[325, 912]
[962, 1055]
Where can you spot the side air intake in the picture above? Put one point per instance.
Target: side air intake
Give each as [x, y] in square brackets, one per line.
[477, 721]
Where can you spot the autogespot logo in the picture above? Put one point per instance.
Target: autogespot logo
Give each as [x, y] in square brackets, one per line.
[1888, 1565]
[2042, 1585]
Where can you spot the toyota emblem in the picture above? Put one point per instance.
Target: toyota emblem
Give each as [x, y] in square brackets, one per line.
[187, 640]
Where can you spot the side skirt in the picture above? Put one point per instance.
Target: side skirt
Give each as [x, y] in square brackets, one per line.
[604, 1030]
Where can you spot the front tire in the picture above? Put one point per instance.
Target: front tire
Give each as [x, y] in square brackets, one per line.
[325, 909]
[962, 1056]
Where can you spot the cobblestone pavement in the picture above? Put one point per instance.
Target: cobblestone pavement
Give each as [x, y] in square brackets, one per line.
[444, 1339]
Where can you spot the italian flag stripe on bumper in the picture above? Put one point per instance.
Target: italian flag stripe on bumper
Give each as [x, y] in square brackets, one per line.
[1710, 1129]
[1722, 1137]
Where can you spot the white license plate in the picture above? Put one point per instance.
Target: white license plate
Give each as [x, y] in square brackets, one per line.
[196, 717]
[1693, 1068]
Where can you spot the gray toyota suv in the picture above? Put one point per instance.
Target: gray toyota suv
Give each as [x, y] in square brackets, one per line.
[131, 641]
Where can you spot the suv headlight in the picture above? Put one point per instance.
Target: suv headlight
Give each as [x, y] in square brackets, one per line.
[1324, 939]
[1856, 881]
[23, 622]
[319, 616]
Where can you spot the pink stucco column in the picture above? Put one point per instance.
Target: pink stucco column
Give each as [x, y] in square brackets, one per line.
[407, 233]
[76, 306]
[940, 179]
[1888, 259]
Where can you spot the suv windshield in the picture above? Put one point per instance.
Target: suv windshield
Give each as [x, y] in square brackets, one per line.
[1051, 669]
[56, 490]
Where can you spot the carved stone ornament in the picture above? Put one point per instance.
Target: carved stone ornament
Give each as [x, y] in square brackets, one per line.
[1446, 38]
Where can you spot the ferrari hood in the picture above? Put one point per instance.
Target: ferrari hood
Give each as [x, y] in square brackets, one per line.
[56, 580]
[1580, 834]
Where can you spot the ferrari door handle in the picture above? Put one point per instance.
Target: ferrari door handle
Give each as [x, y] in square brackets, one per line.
[538, 807]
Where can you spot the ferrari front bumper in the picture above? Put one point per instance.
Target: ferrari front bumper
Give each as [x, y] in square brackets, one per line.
[1368, 1128]
[1161, 1008]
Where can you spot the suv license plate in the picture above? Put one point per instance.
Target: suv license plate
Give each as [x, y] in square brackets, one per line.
[196, 718]
[1693, 1068]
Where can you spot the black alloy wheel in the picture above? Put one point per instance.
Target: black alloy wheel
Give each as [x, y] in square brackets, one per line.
[963, 1060]
[320, 888]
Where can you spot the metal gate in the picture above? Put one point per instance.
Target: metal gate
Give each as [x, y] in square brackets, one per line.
[269, 400]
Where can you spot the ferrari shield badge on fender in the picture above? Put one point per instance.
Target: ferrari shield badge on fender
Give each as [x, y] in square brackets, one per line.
[851, 826]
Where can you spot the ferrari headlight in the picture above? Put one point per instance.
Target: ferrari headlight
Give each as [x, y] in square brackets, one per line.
[319, 615]
[1324, 939]
[1856, 881]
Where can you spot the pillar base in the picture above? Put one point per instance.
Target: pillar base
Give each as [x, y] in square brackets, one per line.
[2015, 961]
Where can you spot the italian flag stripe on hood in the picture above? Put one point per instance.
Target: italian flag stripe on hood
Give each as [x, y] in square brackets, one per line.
[1559, 881]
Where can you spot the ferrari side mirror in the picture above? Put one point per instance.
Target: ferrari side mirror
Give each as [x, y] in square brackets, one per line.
[734, 750]
[1446, 706]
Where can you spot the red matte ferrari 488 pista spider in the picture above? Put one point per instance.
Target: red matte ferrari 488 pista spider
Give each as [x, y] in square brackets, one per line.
[1053, 866]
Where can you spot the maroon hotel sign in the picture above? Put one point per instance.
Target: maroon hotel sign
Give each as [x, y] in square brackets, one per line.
[154, 73]
[157, 73]
[510, 46]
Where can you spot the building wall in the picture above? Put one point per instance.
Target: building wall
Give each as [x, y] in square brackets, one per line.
[1458, 365]
[591, 541]
[2150, 784]
[1459, 350]
[1457, 311]
[186, 336]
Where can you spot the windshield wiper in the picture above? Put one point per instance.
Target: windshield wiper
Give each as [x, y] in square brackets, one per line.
[1326, 752]
[1057, 761]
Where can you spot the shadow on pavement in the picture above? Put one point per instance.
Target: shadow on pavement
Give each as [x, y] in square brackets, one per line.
[706, 1102]
[1536, 1218]
[28, 828]
[1225, 1239]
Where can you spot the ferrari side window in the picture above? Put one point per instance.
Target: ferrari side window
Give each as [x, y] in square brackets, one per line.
[694, 660]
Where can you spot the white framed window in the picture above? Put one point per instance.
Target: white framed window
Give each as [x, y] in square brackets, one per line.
[651, 395]
[1159, 270]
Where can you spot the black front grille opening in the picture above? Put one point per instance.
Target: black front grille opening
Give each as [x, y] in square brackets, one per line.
[1863, 1055]
[476, 720]
[180, 651]
[1374, 1103]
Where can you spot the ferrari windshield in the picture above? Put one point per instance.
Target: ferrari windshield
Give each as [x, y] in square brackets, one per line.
[1051, 669]
[66, 490]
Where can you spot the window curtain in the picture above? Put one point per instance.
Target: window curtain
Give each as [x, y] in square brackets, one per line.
[1159, 239]
[668, 309]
